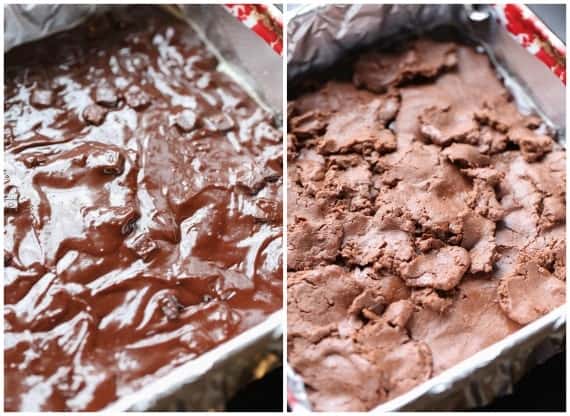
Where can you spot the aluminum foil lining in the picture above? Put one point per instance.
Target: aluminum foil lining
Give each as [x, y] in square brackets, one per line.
[210, 380]
[27, 22]
[242, 53]
[490, 373]
[318, 35]
[207, 382]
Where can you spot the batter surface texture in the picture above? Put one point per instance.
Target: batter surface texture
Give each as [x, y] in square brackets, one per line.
[426, 221]
[143, 210]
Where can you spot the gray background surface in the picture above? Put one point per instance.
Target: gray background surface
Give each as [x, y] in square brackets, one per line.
[554, 16]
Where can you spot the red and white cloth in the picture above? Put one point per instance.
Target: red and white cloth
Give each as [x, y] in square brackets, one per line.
[265, 20]
[534, 36]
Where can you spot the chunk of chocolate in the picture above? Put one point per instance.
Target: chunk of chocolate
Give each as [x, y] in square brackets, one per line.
[533, 145]
[94, 114]
[422, 59]
[466, 156]
[360, 131]
[144, 246]
[185, 120]
[11, 199]
[530, 292]
[41, 98]
[137, 98]
[312, 244]
[219, 122]
[109, 162]
[441, 269]
[309, 124]
[499, 113]
[443, 125]
[170, 307]
[106, 96]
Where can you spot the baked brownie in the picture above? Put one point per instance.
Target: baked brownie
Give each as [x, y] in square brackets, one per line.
[143, 209]
[426, 221]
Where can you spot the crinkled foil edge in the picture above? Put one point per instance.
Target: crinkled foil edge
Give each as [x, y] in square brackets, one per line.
[317, 36]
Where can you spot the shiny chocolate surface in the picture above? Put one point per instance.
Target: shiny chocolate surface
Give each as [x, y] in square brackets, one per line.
[143, 209]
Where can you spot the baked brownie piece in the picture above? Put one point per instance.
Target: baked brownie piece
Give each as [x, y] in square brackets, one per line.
[426, 221]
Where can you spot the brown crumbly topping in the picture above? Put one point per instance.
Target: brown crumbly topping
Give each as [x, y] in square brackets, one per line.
[426, 222]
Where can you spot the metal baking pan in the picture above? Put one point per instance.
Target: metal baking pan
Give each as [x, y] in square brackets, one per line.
[532, 64]
[209, 381]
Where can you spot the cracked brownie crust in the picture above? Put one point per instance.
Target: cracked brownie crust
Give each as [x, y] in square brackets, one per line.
[426, 221]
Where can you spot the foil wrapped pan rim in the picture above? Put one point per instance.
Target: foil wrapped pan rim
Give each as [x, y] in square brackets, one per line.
[145, 397]
[267, 334]
[548, 330]
[555, 320]
[527, 38]
[22, 19]
[546, 60]
[306, 17]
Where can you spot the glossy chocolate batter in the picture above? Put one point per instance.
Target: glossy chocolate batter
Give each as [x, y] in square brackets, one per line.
[426, 221]
[143, 210]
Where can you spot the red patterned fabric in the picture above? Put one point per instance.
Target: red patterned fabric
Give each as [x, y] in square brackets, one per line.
[263, 21]
[534, 36]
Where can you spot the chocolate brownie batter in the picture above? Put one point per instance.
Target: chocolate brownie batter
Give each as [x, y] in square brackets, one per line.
[426, 221]
[143, 210]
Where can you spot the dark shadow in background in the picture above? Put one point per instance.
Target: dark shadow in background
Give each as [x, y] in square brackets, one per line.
[264, 395]
[541, 389]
